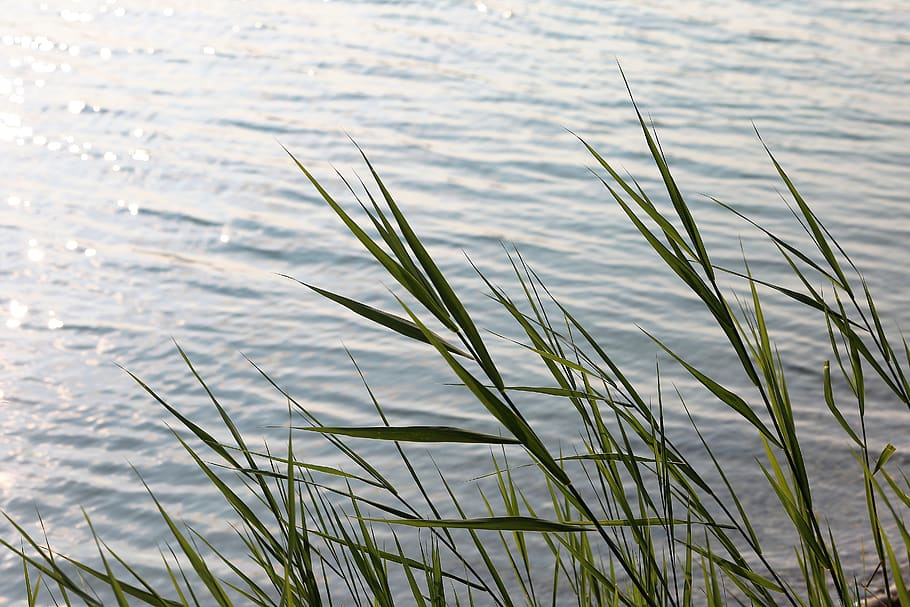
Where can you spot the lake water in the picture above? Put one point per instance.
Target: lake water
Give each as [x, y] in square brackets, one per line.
[144, 196]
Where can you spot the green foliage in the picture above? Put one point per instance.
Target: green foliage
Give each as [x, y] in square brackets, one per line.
[630, 519]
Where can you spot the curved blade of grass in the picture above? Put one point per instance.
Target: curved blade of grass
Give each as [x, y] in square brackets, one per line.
[496, 523]
[385, 229]
[682, 209]
[782, 244]
[562, 392]
[818, 232]
[731, 399]
[31, 594]
[395, 323]
[883, 457]
[197, 561]
[449, 299]
[395, 269]
[414, 434]
[708, 294]
[832, 406]
[331, 471]
[204, 436]
[805, 300]
[666, 227]
[294, 541]
[678, 264]
[522, 523]
[110, 578]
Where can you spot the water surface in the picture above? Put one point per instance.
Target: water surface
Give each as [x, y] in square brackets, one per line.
[144, 197]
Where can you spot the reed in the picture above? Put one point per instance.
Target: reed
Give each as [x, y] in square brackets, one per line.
[633, 519]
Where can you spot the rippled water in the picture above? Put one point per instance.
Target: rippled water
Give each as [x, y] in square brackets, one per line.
[144, 197]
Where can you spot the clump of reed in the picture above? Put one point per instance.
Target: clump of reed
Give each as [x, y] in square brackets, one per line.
[632, 518]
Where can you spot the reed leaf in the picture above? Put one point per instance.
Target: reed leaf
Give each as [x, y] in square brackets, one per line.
[380, 317]
[415, 434]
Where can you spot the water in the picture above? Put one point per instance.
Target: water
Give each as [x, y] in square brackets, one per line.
[144, 197]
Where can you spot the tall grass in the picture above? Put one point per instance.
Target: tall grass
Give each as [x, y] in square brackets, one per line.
[632, 517]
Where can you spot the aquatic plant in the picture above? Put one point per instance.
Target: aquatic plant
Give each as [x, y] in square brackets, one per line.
[632, 517]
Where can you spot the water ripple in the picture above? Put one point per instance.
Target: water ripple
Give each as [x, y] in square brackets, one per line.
[143, 196]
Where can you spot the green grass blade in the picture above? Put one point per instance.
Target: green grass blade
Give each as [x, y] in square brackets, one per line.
[818, 232]
[400, 325]
[728, 397]
[110, 578]
[682, 209]
[415, 434]
[449, 299]
[197, 561]
[883, 457]
[329, 470]
[399, 273]
[494, 523]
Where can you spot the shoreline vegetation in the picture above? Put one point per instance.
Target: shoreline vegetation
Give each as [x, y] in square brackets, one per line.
[630, 520]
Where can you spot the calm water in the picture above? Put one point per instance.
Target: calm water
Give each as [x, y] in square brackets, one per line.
[144, 197]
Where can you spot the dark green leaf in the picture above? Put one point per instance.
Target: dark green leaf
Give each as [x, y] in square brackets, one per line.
[416, 434]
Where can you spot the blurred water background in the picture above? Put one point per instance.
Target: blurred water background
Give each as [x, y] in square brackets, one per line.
[144, 196]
